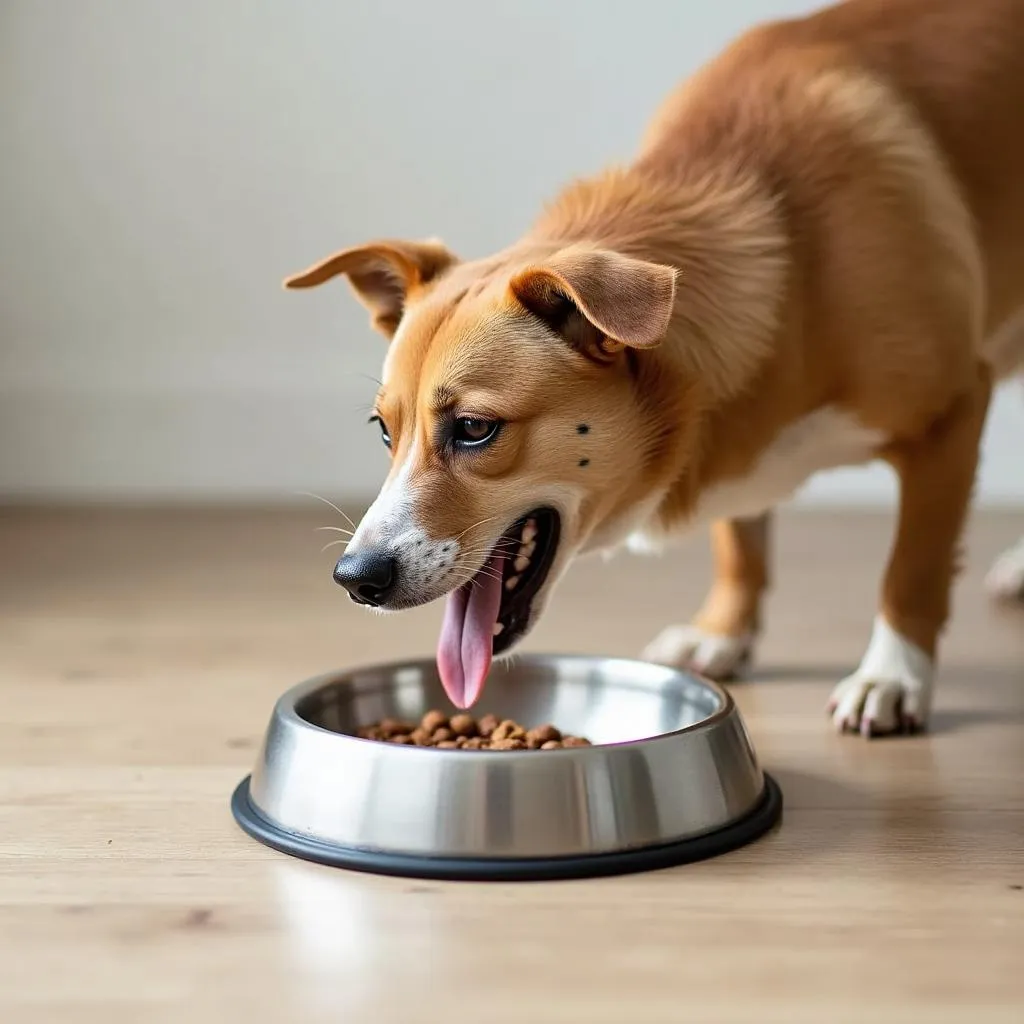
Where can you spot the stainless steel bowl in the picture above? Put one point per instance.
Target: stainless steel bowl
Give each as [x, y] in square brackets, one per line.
[672, 776]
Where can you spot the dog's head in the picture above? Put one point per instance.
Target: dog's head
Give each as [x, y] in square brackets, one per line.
[520, 425]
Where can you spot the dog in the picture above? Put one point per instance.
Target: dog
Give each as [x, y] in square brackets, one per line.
[815, 260]
[1005, 580]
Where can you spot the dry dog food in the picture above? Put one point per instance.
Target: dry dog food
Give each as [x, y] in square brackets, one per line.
[464, 732]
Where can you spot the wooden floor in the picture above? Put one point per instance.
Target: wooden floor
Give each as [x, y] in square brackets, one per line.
[140, 654]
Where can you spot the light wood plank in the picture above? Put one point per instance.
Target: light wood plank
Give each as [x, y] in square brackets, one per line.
[141, 651]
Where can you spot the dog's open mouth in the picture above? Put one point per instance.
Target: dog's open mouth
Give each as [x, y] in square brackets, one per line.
[487, 615]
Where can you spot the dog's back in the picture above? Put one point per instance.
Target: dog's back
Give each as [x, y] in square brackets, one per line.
[787, 95]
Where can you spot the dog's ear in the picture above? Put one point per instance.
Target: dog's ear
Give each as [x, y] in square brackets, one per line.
[598, 300]
[382, 274]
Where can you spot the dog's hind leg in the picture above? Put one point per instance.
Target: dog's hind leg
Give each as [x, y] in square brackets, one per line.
[721, 637]
[1005, 580]
[891, 690]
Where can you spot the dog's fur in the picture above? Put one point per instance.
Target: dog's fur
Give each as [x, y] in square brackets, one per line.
[817, 259]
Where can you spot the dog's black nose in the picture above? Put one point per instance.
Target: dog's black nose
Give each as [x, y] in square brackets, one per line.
[368, 576]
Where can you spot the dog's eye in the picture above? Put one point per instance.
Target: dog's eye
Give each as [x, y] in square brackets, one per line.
[470, 432]
[384, 435]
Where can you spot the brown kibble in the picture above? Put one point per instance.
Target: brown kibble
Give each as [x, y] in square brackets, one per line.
[511, 743]
[544, 733]
[463, 725]
[509, 730]
[487, 725]
[434, 720]
[464, 732]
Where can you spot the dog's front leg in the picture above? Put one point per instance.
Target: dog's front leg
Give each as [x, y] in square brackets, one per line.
[721, 637]
[891, 690]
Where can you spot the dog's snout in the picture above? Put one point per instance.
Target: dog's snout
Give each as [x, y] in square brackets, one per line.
[368, 576]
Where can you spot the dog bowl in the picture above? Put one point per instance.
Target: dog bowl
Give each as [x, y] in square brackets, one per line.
[672, 776]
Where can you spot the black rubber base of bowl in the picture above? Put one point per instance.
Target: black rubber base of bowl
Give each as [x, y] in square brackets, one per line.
[533, 869]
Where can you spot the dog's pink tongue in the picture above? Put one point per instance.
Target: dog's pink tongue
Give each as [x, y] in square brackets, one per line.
[467, 635]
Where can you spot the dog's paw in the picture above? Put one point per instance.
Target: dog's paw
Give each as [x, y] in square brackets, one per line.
[1005, 580]
[890, 692]
[710, 654]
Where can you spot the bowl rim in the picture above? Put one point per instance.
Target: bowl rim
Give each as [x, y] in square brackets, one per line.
[285, 705]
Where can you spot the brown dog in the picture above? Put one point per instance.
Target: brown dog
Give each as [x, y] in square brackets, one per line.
[817, 259]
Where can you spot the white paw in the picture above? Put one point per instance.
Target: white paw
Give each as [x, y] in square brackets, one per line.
[710, 654]
[891, 691]
[1005, 580]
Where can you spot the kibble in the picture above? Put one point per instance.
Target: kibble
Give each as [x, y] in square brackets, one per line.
[463, 725]
[507, 744]
[487, 725]
[464, 732]
[434, 720]
[575, 741]
[544, 734]
[394, 727]
[508, 730]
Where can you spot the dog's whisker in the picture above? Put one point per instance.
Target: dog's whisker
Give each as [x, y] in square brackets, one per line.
[332, 543]
[366, 376]
[474, 575]
[489, 519]
[473, 556]
[501, 547]
[469, 562]
[326, 501]
[337, 529]
[481, 571]
[471, 580]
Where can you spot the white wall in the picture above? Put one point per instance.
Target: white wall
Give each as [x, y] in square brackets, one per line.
[165, 162]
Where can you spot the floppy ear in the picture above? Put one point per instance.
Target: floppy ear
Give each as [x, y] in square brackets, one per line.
[599, 298]
[382, 274]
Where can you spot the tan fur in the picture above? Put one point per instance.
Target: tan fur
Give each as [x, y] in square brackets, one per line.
[740, 550]
[838, 203]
